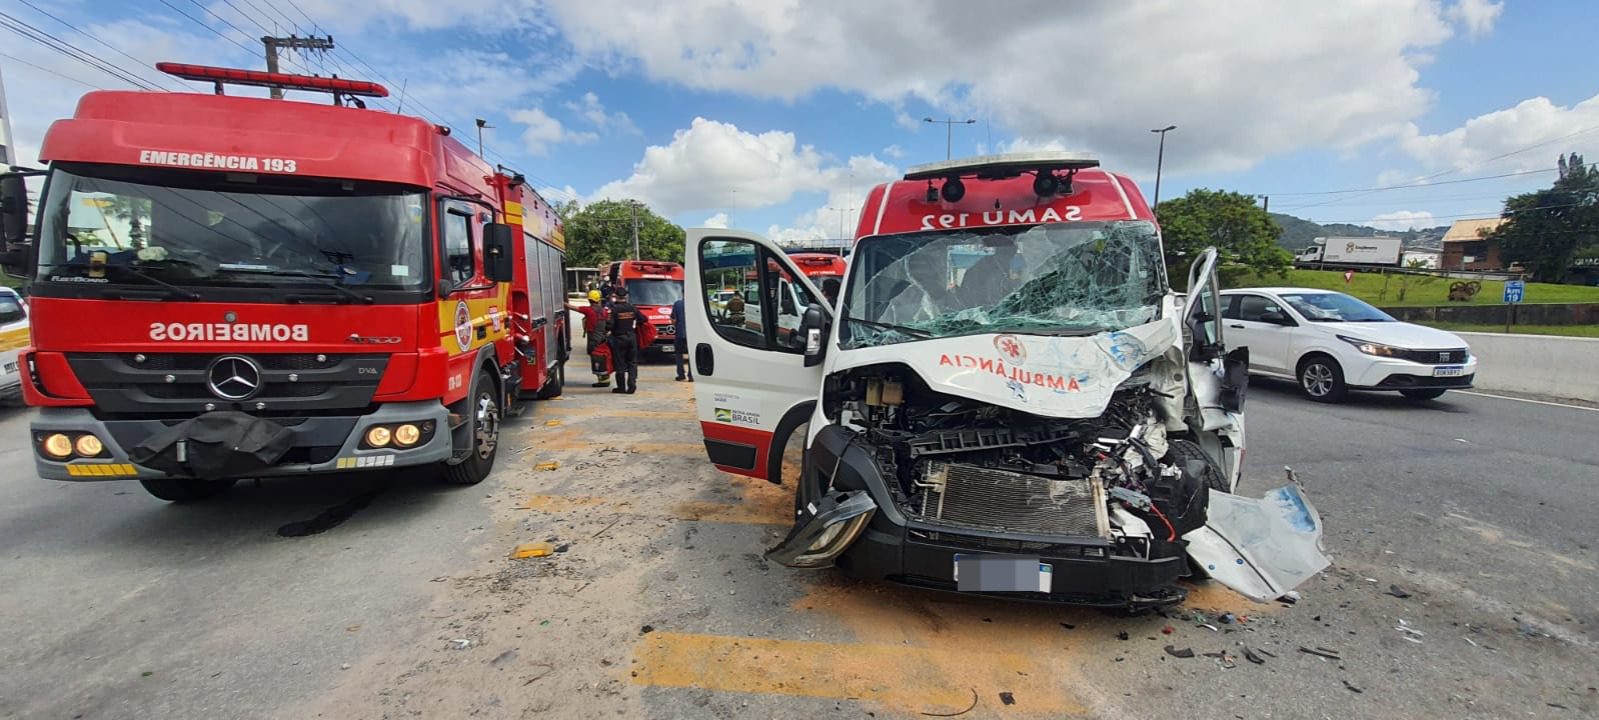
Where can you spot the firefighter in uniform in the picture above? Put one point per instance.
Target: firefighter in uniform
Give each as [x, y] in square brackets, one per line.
[625, 323]
[594, 332]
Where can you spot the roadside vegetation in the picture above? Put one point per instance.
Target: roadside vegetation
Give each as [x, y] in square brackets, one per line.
[1384, 289]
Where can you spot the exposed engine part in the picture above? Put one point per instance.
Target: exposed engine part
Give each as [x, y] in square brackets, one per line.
[971, 496]
[1127, 475]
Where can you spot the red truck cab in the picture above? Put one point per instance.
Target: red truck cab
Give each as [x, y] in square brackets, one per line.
[652, 287]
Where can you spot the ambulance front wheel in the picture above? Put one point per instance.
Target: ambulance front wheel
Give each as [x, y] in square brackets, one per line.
[185, 490]
[484, 439]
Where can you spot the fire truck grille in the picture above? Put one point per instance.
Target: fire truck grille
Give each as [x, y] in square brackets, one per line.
[182, 384]
[987, 499]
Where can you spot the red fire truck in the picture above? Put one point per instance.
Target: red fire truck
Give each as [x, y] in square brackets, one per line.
[652, 287]
[229, 287]
[826, 270]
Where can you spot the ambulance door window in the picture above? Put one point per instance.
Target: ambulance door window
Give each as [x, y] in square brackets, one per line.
[733, 296]
[792, 300]
[459, 264]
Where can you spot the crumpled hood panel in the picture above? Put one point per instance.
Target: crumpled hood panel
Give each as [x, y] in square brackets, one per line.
[1064, 377]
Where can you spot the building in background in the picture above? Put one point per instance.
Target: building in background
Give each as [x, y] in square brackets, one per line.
[1465, 249]
[8, 153]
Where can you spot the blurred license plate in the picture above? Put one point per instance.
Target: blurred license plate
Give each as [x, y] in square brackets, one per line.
[1449, 371]
[1002, 573]
[11, 368]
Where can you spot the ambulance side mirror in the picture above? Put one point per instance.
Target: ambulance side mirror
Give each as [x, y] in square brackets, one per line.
[497, 255]
[14, 224]
[814, 328]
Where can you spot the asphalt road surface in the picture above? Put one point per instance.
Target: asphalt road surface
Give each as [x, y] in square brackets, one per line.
[659, 604]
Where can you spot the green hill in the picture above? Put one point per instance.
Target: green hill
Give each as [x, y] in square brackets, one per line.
[1299, 233]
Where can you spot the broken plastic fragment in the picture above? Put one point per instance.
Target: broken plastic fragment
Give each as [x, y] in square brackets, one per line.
[1260, 548]
[1184, 653]
[548, 466]
[532, 550]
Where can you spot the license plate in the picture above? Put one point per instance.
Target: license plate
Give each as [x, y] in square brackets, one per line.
[11, 368]
[1449, 371]
[1002, 573]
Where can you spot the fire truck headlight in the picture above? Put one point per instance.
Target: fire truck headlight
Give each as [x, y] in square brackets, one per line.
[89, 446]
[406, 435]
[58, 446]
[379, 436]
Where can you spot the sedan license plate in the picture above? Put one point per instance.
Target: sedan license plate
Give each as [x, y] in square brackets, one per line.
[11, 368]
[1449, 371]
[1002, 573]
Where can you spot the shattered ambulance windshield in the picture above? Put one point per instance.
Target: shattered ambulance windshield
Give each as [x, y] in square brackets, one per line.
[1057, 279]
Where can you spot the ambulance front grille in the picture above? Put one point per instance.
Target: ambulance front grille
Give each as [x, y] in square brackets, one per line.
[997, 500]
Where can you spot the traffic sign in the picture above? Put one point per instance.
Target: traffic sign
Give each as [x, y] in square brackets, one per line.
[1515, 290]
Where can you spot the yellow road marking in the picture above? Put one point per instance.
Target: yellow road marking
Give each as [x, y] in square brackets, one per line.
[899, 677]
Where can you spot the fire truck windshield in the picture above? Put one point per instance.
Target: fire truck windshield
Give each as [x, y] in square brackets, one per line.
[1073, 278]
[654, 292]
[105, 225]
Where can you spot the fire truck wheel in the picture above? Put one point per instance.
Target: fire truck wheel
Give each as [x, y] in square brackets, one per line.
[485, 437]
[185, 490]
[556, 383]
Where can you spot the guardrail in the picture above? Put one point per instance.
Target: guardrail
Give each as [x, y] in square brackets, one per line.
[1559, 367]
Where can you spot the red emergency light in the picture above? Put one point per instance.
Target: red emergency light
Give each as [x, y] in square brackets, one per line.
[287, 81]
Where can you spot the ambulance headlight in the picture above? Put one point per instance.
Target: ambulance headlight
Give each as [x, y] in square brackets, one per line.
[406, 435]
[379, 436]
[58, 446]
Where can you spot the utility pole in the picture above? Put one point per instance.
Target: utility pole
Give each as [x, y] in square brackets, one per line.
[949, 132]
[1160, 159]
[1265, 203]
[292, 42]
[481, 123]
[843, 212]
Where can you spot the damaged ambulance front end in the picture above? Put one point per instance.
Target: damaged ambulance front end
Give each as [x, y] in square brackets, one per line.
[1023, 409]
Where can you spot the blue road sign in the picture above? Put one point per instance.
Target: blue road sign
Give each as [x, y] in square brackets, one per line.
[1514, 291]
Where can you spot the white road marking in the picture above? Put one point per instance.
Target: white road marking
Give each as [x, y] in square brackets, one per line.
[1525, 400]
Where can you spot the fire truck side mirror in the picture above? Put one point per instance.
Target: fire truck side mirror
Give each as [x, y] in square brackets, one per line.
[14, 224]
[497, 238]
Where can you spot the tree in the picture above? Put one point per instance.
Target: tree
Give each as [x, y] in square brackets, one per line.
[600, 232]
[1231, 222]
[1544, 230]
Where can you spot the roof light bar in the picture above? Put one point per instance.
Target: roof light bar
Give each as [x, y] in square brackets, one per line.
[999, 166]
[288, 81]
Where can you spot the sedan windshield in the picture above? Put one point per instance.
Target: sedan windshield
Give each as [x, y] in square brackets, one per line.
[1056, 279]
[1334, 307]
[198, 230]
[654, 292]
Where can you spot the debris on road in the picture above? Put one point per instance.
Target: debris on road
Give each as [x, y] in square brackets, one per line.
[461, 643]
[647, 629]
[1352, 688]
[1321, 652]
[1251, 656]
[1290, 597]
[1213, 628]
[1223, 659]
[1184, 653]
[1398, 592]
[953, 714]
[532, 550]
[1168, 630]
[548, 466]
[1007, 698]
[1227, 618]
[1122, 635]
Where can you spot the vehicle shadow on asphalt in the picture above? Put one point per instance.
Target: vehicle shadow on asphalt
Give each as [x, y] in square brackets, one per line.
[1289, 390]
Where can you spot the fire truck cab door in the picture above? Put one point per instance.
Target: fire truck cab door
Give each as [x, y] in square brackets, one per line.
[751, 385]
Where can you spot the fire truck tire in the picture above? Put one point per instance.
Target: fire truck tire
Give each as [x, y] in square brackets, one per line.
[185, 490]
[485, 435]
[556, 384]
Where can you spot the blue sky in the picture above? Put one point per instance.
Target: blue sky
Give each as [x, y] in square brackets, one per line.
[778, 115]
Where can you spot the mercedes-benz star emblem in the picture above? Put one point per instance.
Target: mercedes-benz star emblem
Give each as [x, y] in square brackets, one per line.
[234, 378]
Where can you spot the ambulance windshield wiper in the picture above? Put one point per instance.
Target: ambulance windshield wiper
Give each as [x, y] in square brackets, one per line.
[913, 332]
[328, 281]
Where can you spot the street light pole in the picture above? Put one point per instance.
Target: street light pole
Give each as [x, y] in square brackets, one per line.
[949, 132]
[1160, 159]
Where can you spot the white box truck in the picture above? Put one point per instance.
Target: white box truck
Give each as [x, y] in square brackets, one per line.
[1354, 251]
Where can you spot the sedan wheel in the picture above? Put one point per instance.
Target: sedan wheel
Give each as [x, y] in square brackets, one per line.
[1322, 380]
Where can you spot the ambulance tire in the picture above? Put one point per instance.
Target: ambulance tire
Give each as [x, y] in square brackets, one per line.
[556, 384]
[185, 490]
[484, 436]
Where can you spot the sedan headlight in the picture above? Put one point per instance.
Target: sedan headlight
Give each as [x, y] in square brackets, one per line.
[1370, 348]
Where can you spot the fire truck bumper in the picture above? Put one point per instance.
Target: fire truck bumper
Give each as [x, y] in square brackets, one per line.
[302, 445]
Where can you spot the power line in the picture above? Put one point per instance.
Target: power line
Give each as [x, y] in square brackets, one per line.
[213, 30]
[1410, 185]
[67, 49]
[91, 36]
[41, 68]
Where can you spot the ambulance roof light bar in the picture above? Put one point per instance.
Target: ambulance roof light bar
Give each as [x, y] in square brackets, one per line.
[990, 167]
[288, 81]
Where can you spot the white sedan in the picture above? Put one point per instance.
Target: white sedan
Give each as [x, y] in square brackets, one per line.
[13, 336]
[1331, 343]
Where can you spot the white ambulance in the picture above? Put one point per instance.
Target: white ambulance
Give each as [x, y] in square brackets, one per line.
[1007, 399]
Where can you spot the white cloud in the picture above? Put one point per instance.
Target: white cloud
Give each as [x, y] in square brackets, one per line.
[1477, 15]
[1401, 220]
[713, 165]
[718, 220]
[593, 111]
[544, 131]
[1242, 80]
[1528, 136]
[894, 152]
